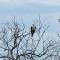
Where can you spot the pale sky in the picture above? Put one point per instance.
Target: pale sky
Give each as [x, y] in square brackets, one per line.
[53, 2]
[48, 10]
[30, 10]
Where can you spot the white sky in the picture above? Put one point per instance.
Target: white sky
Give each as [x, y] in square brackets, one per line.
[30, 9]
[53, 2]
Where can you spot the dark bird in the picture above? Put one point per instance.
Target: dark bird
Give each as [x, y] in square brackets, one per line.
[33, 29]
[58, 20]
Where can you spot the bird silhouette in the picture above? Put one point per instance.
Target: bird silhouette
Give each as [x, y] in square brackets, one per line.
[33, 29]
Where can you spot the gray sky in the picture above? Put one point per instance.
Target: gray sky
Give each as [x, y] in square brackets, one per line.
[29, 10]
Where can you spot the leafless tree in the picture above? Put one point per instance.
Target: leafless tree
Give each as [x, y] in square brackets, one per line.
[17, 44]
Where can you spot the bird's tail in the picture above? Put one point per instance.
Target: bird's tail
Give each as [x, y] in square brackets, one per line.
[32, 35]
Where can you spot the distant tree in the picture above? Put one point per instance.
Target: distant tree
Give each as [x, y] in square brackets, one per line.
[17, 44]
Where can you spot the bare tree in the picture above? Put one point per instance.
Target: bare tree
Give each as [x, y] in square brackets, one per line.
[17, 44]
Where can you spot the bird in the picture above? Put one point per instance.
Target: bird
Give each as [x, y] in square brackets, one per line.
[58, 20]
[33, 29]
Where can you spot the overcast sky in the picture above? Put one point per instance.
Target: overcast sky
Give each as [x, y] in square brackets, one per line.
[30, 10]
[53, 2]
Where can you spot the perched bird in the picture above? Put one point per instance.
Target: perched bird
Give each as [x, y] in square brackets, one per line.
[58, 20]
[33, 29]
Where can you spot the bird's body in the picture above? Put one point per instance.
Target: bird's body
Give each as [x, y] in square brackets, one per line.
[58, 20]
[33, 29]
